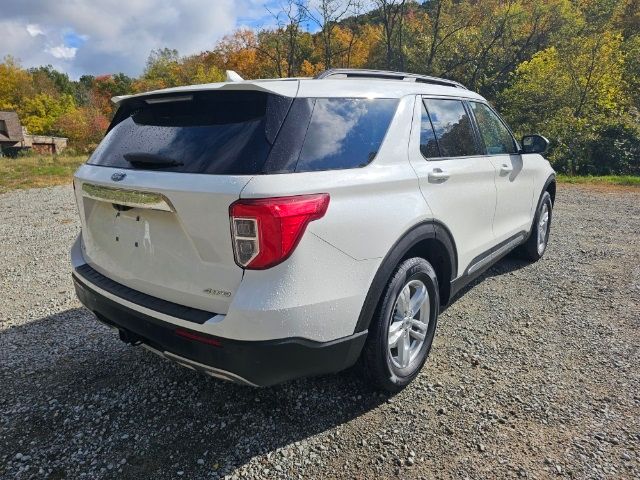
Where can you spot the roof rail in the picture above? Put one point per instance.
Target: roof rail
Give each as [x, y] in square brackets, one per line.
[386, 75]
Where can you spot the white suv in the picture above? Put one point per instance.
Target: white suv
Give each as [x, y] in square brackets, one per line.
[264, 230]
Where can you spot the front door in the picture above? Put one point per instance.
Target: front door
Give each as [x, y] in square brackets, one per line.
[514, 181]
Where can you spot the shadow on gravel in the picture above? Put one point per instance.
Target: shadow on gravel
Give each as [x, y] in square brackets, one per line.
[88, 392]
[69, 386]
[508, 264]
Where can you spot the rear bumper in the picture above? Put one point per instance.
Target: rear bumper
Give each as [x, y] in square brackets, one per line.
[257, 363]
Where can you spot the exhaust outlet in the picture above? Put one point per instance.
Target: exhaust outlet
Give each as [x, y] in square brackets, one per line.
[128, 337]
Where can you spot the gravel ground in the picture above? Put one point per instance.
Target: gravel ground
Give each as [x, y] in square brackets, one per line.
[534, 373]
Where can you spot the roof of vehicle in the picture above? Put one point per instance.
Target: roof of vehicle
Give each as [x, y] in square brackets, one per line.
[333, 86]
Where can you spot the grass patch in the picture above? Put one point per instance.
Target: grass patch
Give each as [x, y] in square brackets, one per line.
[37, 171]
[629, 180]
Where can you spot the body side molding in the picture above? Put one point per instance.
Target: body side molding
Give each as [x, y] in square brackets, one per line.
[485, 260]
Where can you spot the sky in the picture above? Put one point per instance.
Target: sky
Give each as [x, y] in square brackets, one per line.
[107, 36]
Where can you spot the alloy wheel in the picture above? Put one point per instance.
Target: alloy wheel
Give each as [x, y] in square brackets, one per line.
[543, 227]
[409, 323]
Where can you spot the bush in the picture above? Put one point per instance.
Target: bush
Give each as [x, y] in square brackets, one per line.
[616, 148]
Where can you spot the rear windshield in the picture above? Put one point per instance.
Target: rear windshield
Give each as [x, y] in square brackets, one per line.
[234, 133]
[215, 133]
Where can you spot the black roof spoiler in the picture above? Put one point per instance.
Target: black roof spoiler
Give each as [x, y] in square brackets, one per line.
[386, 75]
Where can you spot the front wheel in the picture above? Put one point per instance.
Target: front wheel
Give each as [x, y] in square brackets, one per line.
[535, 246]
[403, 326]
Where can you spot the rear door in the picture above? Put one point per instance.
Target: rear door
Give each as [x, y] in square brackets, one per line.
[514, 181]
[154, 197]
[456, 179]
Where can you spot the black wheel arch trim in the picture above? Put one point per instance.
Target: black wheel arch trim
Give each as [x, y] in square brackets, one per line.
[551, 179]
[431, 229]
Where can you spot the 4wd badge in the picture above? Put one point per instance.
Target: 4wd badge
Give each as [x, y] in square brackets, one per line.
[217, 293]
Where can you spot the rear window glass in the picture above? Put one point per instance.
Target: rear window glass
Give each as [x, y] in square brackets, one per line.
[215, 133]
[245, 133]
[345, 132]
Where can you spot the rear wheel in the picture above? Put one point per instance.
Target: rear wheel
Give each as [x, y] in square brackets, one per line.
[535, 246]
[403, 326]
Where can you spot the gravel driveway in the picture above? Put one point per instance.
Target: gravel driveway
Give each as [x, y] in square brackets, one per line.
[535, 373]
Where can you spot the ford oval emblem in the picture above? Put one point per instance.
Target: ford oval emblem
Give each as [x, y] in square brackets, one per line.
[116, 177]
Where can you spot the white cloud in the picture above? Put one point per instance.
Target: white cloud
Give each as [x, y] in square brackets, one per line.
[34, 30]
[119, 35]
[62, 52]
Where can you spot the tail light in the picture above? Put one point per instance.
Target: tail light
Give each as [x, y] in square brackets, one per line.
[266, 231]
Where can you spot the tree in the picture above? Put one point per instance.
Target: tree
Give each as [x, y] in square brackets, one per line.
[205, 74]
[326, 16]
[288, 37]
[565, 68]
[627, 21]
[570, 95]
[631, 48]
[161, 69]
[46, 78]
[238, 52]
[354, 44]
[40, 112]
[84, 127]
[103, 88]
[17, 84]
[392, 15]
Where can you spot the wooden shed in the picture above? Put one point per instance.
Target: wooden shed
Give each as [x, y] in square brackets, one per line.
[14, 137]
[10, 130]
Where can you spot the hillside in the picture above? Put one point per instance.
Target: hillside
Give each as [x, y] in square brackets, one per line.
[568, 70]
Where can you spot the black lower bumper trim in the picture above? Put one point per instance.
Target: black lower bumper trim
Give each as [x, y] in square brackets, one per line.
[261, 363]
[153, 303]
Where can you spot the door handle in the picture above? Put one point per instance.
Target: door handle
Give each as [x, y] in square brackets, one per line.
[438, 175]
[505, 168]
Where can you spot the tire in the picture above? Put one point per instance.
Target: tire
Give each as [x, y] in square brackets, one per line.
[535, 246]
[393, 368]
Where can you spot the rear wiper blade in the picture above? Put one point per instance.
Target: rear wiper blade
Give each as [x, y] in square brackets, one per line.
[150, 160]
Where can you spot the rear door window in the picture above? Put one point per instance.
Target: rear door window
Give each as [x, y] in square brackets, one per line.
[206, 132]
[345, 132]
[452, 128]
[428, 142]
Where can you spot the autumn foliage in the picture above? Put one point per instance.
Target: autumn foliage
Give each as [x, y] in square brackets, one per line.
[567, 69]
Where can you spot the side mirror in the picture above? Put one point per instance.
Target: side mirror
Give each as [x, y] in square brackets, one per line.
[534, 144]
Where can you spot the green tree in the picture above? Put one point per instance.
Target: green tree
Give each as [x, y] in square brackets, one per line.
[162, 67]
[53, 80]
[16, 84]
[195, 70]
[40, 112]
[571, 94]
